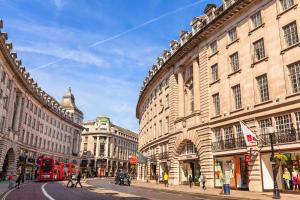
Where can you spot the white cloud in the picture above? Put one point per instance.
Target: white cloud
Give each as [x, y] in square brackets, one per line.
[59, 4]
[79, 56]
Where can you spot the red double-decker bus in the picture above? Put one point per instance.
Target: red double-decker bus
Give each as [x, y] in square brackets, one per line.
[49, 170]
[46, 169]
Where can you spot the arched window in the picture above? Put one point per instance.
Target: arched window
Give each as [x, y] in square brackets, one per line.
[189, 148]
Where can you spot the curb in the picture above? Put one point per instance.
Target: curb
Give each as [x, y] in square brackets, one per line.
[195, 193]
[9, 190]
[2, 195]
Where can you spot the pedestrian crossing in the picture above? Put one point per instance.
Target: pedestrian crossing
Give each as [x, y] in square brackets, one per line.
[100, 190]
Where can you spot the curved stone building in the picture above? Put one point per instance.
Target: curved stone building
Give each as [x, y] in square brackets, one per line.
[32, 123]
[240, 62]
[106, 147]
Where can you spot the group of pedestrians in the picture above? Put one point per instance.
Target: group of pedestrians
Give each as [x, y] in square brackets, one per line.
[70, 181]
[202, 180]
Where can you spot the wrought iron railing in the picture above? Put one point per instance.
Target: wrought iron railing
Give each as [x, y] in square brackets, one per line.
[152, 158]
[229, 144]
[163, 155]
[280, 137]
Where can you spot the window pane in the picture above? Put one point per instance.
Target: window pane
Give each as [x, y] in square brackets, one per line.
[262, 82]
[234, 62]
[259, 50]
[291, 34]
[256, 20]
[294, 70]
[214, 72]
[232, 35]
[237, 97]
[286, 4]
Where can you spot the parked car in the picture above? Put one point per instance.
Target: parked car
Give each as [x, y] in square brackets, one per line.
[122, 178]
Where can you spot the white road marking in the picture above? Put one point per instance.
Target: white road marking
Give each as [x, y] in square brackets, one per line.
[45, 193]
[7, 193]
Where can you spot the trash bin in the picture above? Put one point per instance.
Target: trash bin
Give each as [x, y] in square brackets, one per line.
[226, 189]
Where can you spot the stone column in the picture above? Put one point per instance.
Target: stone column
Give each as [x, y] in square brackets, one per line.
[97, 147]
[16, 117]
[196, 84]
[106, 147]
[180, 94]
[174, 172]
[254, 173]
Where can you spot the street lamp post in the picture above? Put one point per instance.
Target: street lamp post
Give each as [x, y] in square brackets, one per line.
[276, 193]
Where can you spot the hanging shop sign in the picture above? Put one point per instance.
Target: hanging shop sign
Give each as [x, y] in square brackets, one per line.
[247, 158]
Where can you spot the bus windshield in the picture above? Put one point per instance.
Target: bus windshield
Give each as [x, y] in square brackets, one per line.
[47, 165]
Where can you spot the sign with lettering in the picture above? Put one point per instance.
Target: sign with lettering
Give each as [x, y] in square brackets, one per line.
[247, 158]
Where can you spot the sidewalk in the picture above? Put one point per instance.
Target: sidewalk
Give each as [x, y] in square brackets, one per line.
[3, 187]
[235, 194]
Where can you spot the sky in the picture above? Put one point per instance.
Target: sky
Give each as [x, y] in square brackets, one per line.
[102, 49]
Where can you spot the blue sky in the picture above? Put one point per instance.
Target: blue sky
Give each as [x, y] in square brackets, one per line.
[54, 39]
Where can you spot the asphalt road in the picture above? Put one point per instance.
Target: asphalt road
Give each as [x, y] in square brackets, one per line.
[95, 189]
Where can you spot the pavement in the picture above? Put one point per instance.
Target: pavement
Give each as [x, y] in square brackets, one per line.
[3, 187]
[214, 192]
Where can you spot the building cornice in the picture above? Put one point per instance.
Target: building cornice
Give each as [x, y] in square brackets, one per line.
[19, 72]
[189, 40]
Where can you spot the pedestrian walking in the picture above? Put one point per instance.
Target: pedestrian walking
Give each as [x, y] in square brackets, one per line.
[166, 179]
[10, 181]
[190, 180]
[70, 180]
[156, 178]
[203, 180]
[19, 179]
[78, 180]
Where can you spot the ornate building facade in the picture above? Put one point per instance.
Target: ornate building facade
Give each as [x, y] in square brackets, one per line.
[32, 123]
[106, 147]
[240, 62]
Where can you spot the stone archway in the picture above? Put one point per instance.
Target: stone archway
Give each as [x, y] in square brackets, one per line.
[188, 162]
[200, 139]
[8, 165]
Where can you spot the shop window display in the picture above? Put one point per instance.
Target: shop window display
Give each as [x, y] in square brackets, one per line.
[233, 171]
[288, 164]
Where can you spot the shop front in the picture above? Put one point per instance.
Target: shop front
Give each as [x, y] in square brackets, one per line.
[287, 165]
[232, 170]
[163, 168]
[153, 174]
[101, 167]
[189, 168]
[84, 166]
[30, 169]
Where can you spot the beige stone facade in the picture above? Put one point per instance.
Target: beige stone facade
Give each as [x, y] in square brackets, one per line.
[240, 62]
[106, 147]
[32, 123]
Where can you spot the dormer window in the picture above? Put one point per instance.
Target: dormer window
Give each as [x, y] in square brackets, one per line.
[228, 3]
[209, 11]
[210, 16]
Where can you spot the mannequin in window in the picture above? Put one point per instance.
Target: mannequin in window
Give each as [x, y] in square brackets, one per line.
[286, 177]
[295, 178]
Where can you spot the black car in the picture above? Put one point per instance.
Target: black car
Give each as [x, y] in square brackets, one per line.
[122, 178]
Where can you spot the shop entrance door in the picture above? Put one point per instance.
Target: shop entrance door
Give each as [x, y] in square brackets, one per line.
[152, 171]
[189, 168]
